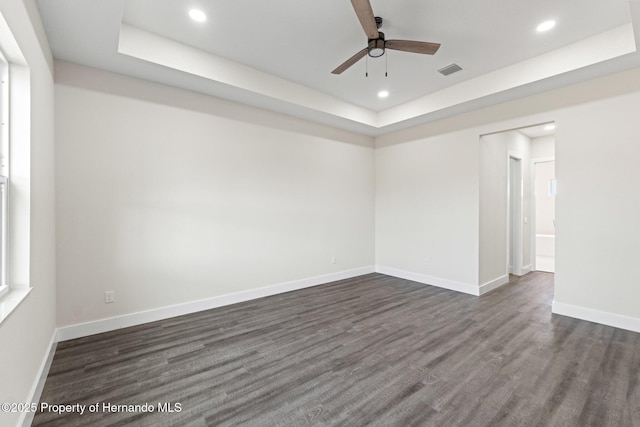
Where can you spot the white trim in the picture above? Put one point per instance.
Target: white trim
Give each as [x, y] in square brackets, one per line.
[4, 208]
[133, 319]
[524, 270]
[26, 418]
[466, 288]
[11, 300]
[516, 268]
[597, 316]
[544, 159]
[494, 284]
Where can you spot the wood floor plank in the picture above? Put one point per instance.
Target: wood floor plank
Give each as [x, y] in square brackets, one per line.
[373, 350]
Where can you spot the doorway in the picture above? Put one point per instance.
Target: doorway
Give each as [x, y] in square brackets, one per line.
[508, 231]
[544, 230]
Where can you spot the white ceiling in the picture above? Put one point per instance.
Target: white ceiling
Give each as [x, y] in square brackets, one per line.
[538, 131]
[279, 54]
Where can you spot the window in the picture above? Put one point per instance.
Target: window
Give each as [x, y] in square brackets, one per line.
[3, 232]
[15, 172]
[4, 168]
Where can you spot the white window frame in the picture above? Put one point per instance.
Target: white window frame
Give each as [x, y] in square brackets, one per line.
[4, 169]
[16, 116]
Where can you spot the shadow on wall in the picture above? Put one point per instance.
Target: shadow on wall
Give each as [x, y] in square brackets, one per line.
[116, 84]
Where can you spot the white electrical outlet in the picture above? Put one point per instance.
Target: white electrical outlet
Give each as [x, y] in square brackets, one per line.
[333, 260]
[109, 297]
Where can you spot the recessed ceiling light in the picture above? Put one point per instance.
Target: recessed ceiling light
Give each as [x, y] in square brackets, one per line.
[550, 127]
[197, 15]
[546, 26]
[383, 94]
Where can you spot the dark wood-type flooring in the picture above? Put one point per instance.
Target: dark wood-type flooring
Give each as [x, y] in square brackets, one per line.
[373, 350]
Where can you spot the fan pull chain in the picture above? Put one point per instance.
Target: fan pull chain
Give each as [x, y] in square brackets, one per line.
[366, 67]
[386, 65]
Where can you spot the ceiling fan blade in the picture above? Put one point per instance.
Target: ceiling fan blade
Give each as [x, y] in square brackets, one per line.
[349, 62]
[412, 46]
[365, 15]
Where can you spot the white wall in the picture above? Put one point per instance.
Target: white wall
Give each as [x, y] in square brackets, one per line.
[167, 196]
[427, 210]
[545, 214]
[26, 334]
[520, 147]
[598, 206]
[493, 207]
[495, 150]
[543, 147]
[596, 131]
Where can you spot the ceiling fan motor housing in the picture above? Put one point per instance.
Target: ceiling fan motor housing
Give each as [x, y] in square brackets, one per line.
[376, 46]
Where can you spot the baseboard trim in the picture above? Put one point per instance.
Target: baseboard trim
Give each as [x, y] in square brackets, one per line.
[526, 269]
[494, 284]
[429, 280]
[109, 324]
[597, 316]
[26, 418]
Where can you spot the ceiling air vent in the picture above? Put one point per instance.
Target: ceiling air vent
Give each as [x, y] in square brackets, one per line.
[449, 69]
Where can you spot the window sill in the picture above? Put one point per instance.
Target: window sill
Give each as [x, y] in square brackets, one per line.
[11, 300]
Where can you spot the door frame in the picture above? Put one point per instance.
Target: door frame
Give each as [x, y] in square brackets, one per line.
[516, 266]
[533, 227]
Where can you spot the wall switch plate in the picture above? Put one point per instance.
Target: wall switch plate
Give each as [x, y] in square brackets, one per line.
[333, 260]
[109, 297]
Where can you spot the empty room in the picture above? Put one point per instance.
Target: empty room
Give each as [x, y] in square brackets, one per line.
[335, 213]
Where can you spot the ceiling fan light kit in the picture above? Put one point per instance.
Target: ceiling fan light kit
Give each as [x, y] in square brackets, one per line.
[377, 45]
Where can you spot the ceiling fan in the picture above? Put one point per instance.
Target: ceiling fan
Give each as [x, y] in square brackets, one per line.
[377, 44]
